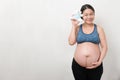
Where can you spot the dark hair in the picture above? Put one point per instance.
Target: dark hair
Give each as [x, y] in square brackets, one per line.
[86, 6]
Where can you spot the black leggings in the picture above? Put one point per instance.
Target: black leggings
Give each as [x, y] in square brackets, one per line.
[81, 73]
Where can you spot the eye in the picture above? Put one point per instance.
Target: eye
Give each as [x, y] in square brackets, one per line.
[86, 15]
[91, 14]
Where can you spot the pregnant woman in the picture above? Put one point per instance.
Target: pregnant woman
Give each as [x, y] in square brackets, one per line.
[91, 47]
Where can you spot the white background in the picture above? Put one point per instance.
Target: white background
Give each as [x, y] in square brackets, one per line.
[34, 38]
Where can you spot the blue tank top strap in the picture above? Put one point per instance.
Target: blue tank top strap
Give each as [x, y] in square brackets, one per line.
[80, 29]
[95, 25]
[95, 28]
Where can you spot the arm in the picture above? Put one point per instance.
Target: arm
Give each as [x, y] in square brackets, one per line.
[103, 44]
[73, 33]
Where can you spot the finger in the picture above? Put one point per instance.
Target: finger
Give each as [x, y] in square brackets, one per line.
[95, 63]
[73, 20]
[90, 67]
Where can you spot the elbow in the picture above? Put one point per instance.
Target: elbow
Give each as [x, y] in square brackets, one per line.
[105, 48]
[72, 43]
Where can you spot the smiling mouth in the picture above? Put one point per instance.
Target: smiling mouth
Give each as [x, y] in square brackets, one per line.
[89, 20]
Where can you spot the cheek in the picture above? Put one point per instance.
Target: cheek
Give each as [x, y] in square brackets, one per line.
[84, 18]
[91, 17]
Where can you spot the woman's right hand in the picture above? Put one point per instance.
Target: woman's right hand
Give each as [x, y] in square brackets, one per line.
[75, 22]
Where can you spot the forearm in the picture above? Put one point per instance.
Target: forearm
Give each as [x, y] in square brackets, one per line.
[72, 36]
[103, 54]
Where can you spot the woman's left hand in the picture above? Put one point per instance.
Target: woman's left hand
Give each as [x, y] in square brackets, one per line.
[94, 65]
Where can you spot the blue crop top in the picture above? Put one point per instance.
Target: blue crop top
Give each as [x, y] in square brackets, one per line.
[92, 37]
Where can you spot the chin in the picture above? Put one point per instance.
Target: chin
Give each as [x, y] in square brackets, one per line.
[89, 22]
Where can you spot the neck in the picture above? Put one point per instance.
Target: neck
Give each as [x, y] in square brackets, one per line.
[88, 25]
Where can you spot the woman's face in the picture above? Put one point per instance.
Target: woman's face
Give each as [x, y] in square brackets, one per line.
[88, 16]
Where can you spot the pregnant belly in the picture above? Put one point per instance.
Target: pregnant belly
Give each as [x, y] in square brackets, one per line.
[87, 53]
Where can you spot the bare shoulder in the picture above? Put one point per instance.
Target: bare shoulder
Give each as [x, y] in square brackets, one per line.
[100, 29]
